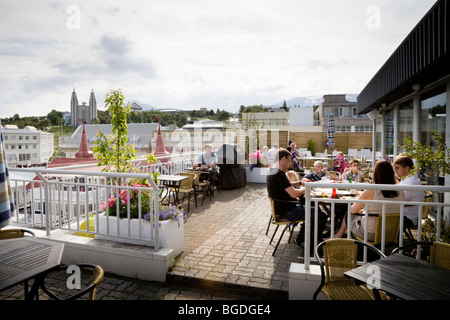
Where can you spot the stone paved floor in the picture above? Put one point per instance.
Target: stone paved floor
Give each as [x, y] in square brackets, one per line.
[227, 255]
[225, 241]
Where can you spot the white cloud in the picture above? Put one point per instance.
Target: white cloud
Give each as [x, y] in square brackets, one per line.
[193, 53]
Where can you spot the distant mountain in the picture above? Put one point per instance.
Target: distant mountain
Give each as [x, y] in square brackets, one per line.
[310, 101]
[147, 107]
[144, 106]
[298, 101]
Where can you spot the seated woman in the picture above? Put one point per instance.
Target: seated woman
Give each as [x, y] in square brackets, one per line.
[319, 172]
[352, 173]
[383, 174]
[293, 150]
[339, 163]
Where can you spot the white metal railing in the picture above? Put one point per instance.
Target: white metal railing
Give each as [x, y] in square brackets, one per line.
[309, 200]
[63, 199]
[72, 198]
[172, 164]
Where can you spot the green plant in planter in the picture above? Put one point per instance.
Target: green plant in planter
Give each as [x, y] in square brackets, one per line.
[168, 213]
[429, 231]
[311, 146]
[118, 157]
[437, 159]
[131, 196]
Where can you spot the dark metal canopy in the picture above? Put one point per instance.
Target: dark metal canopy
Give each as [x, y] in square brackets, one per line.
[422, 58]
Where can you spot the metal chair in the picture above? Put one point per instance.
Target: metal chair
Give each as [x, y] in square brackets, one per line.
[438, 254]
[98, 274]
[339, 256]
[425, 211]
[15, 233]
[278, 221]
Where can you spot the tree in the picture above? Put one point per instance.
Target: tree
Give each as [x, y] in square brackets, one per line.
[54, 117]
[122, 152]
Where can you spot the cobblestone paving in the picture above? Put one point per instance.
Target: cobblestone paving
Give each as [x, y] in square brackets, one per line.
[225, 240]
[227, 255]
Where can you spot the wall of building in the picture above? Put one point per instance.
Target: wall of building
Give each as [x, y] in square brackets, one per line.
[27, 146]
[343, 140]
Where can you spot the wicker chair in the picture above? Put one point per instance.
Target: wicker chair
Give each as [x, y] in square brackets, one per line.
[439, 253]
[201, 185]
[340, 255]
[98, 274]
[278, 221]
[425, 211]
[391, 232]
[15, 233]
[187, 187]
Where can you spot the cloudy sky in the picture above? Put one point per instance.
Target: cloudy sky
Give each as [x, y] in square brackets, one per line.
[194, 53]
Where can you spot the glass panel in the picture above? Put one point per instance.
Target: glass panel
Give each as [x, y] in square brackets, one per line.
[433, 114]
[389, 132]
[378, 138]
[405, 124]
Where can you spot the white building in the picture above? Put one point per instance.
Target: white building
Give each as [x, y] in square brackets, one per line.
[27, 146]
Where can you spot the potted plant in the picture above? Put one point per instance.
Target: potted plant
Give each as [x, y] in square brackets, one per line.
[429, 231]
[432, 159]
[115, 153]
[258, 167]
[311, 146]
[139, 229]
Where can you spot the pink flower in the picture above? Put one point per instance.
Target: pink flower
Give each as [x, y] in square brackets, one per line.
[111, 201]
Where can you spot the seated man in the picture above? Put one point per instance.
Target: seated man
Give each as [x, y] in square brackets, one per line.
[280, 188]
[208, 159]
[319, 172]
[402, 166]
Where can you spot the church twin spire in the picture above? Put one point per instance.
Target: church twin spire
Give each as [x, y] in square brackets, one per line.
[82, 113]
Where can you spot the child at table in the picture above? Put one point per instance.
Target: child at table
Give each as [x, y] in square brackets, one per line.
[353, 172]
[319, 172]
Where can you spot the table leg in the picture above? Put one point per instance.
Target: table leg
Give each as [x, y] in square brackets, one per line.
[376, 294]
[34, 291]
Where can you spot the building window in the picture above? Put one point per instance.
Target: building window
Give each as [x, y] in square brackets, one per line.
[433, 114]
[405, 125]
[24, 157]
[354, 112]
